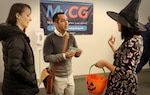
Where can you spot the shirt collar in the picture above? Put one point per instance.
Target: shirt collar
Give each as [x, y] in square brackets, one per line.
[59, 34]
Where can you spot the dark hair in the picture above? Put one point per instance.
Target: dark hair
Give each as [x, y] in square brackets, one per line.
[16, 8]
[148, 18]
[55, 17]
[127, 33]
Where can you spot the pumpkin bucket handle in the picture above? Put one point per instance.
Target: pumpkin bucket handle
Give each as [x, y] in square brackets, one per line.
[93, 66]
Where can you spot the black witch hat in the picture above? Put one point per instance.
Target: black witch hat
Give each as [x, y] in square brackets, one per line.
[129, 16]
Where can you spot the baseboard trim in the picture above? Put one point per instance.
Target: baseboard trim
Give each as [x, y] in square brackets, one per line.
[83, 76]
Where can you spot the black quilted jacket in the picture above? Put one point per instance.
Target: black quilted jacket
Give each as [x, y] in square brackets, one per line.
[19, 70]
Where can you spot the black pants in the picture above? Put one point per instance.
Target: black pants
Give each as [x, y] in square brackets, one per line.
[144, 59]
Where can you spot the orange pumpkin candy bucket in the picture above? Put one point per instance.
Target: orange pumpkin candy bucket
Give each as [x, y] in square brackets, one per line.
[96, 83]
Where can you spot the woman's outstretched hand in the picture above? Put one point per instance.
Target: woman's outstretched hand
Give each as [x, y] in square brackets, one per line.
[100, 63]
[104, 63]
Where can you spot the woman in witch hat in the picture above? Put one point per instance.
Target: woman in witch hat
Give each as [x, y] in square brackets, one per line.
[122, 79]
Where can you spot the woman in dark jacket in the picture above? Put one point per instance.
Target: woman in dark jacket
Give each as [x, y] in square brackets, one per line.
[19, 73]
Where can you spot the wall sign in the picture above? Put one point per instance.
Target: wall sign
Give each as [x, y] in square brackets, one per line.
[80, 16]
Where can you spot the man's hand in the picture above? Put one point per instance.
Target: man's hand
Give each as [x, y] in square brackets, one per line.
[70, 54]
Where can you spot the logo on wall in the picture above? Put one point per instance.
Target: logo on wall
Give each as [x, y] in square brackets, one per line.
[80, 16]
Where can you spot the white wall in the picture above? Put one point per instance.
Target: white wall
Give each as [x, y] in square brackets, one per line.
[94, 46]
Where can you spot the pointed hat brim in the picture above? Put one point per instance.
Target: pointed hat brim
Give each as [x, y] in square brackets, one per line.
[120, 19]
